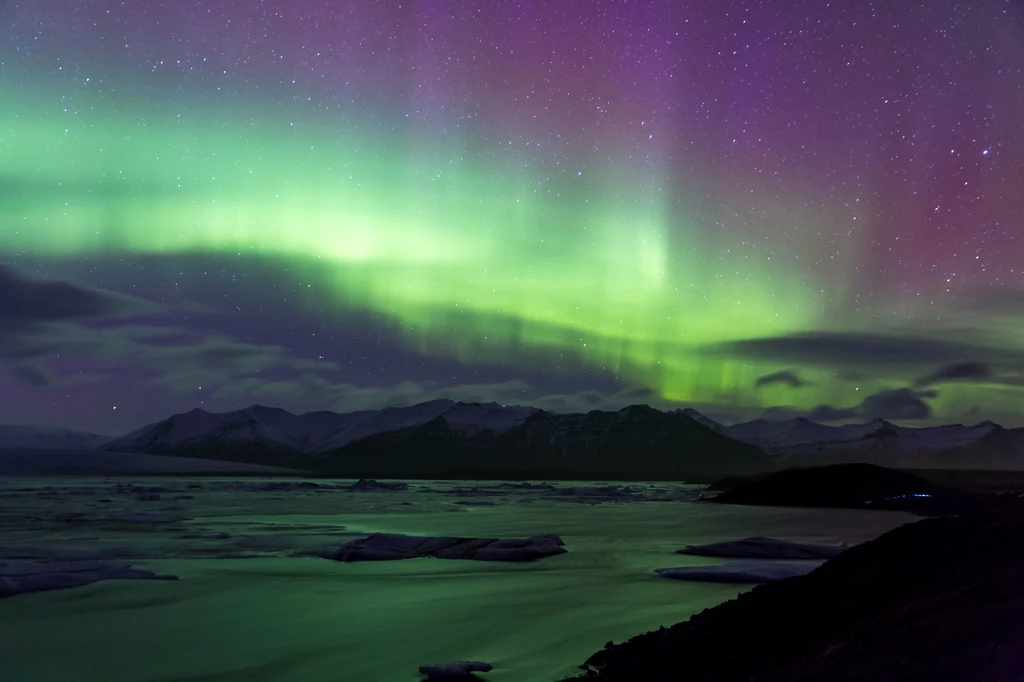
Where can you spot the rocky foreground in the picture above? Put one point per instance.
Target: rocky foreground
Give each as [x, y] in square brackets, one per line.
[860, 486]
[940, 599]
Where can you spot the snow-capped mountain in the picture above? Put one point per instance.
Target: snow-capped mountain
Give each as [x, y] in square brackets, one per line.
[635, 442]
[801, 441]
[785, 433]
[443, 435]
[274, 429]
[702, 419]
[996, 448]
[42, 438]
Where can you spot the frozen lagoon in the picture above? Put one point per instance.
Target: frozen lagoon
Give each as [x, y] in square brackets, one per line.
[247, 609]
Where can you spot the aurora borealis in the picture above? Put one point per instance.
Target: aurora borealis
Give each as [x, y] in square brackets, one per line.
[803, 207]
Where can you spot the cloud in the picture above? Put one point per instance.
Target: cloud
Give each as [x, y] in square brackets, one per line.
[901, 404]
[852, 349]
[214, 360]
[787, 377]
[995, 300]
[43, 319]
[958, 371]
[312, 391]
[26, 302]
[828, 413]
[633, 396]
[35, 375]
[780, 413]
[821, 413]
[197, 360]
[898, 404]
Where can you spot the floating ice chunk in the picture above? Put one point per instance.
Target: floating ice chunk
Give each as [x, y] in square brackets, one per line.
[763, 548]
[739, 572]
[459, 670]
[393, 546]
[25, 577]
[371, 485]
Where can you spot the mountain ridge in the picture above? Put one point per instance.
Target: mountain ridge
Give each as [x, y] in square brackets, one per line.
[276, 436]
[625, 443]
[18, 437]
[446, 435]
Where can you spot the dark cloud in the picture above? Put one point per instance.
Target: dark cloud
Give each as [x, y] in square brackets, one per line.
[42, 319]
[901, 404]
[590, 397]
[780, 413]
[209, 360]
[213, 353]
[310, 391]
[31, 341]
[216, 361]
[958, 371]
[821, 413]
[898, 404]
[828, 413]
[852, 349]
[25, 301]
[787, 377]
[637, 395]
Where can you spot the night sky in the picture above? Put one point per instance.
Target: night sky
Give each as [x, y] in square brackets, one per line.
[791, 207]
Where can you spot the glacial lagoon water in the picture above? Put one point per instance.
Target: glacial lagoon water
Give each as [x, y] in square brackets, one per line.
[248, 607]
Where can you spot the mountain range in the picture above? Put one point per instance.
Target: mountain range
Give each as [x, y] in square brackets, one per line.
[443, 437]
[802, 442]
[40, 438]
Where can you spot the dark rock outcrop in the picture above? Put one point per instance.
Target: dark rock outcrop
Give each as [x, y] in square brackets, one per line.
[940, 599]
[851, 486]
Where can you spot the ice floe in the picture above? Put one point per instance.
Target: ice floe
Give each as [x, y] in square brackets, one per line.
[392, 546]
[739, 572]
[25, 577]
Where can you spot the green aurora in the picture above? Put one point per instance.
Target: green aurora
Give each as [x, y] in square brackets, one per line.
[467, 259]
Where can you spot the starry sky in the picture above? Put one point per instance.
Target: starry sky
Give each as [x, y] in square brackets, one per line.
[752, 208]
